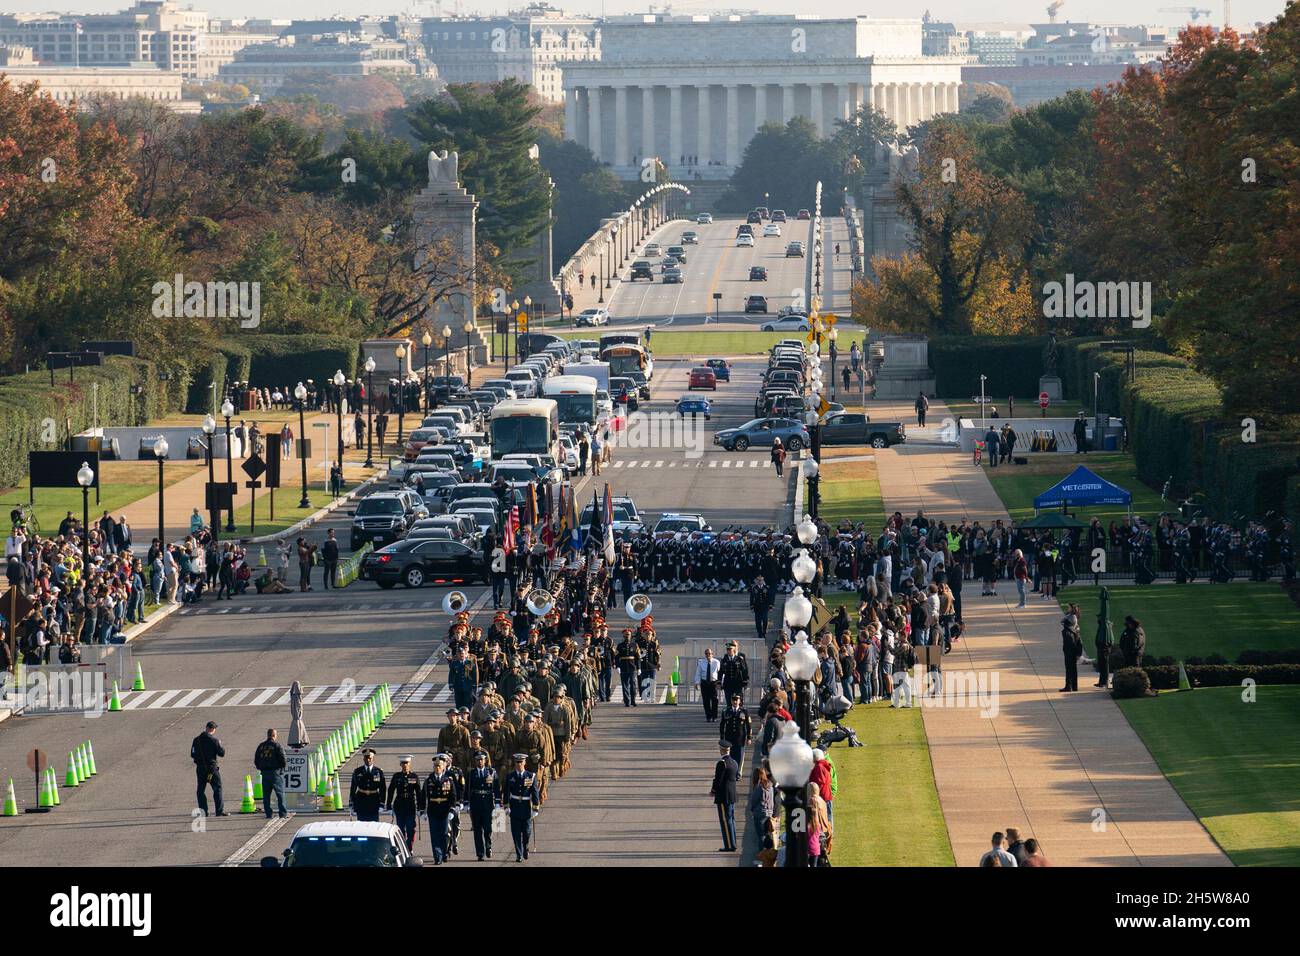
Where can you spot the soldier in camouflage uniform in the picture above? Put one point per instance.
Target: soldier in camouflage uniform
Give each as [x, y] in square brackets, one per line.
[562, 724]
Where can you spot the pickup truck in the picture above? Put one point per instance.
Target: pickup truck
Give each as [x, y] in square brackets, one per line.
[855, 428]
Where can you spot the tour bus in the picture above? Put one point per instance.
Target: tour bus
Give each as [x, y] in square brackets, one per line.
[626, 358]
[526, 426]
[619, 338]
[575, 395]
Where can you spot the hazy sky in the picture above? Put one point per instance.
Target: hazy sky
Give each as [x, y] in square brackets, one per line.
[1244, 12]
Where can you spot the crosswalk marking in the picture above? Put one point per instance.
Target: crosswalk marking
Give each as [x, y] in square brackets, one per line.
[726, 463]
[714, 463]
[659, 464]
[262, 697]
[212, 701]
[444, 695]
[646, 463]
[347, 695]
[417, 693]
[189, 698]
[342, 695]
[239, 695]
[315, 693]
[161, 699]
[138, 698]
[754, 463]
[618, 464]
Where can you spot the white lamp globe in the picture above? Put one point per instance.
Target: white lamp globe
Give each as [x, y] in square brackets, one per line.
[801, 659]
[227, 409]
[806, 530]
[804, 568]
[160, 448]
[85, 475]
[798, 609]
[790, 758]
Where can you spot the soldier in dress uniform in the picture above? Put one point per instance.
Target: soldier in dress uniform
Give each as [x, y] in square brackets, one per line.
[628, 657]
[367, 791]
[440, 798]
[484, 793]
[406, 800]
[519, 797]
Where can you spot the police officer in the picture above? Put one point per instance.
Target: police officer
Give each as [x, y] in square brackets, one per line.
[440, 799]
[205, 751]
[484, 794]
[520, 797]
[406, 800]
[367, 792]
[269, 759]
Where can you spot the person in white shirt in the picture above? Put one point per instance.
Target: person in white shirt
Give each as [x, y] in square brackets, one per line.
[282, 561]
[706, 676]
[14, 544]
[998, 853]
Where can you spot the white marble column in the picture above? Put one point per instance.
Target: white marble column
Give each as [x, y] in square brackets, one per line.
[622, 153]
[890, 107]
[704, 145]
[760, 106]
[648, 122]
[593, 123]
[787, 103]
[571, 114]
[675, 150]
[733, 125]
[818, 108]
[875, 96]
[918, 102]
[954, 97]
[842, 111]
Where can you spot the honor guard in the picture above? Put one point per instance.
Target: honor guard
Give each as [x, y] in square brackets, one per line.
[520, 798]
[484, 794]
[440, 798]
[406, 800]
[367, 792]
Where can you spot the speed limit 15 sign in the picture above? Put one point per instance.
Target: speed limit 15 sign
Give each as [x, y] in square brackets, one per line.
[295, 772]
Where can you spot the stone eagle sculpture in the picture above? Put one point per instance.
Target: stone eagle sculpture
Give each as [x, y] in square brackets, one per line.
[443, 167]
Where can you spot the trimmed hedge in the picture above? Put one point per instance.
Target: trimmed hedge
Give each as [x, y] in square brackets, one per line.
[1131, 682]
[28, 402]
[289, 359]
[1223, 675]
[1012, 363]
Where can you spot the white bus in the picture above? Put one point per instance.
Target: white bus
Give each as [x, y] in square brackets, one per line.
[529, 426]
[575, 395]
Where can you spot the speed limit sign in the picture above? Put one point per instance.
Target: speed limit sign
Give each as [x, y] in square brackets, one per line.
[295, 772]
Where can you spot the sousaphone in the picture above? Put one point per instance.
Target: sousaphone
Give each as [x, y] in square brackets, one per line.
[455, 602]
[639, 606]
[540, 601]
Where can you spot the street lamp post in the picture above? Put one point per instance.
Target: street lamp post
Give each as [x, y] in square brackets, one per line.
[528, 309]
[613, 252]
[339, 379]
[370, 410]
[84, 478]
[791, 761]
[426, 340]
[983, 379]
[300, 396]
[160, 452]
[833, 335]
[214, 514]
[446, 352]
[600, 286]
[810, 473]
[469, 368]
[228, 410]
[400, 352]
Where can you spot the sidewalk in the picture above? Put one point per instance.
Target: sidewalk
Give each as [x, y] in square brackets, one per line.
[180, 499]
[1066, 769]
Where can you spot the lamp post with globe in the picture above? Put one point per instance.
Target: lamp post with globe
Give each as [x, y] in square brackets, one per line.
[370, 409]
[214, 514]
[426, 340]
[339, 380]
[300, 397]
[791, 762]
[400, 352]
[160, 452]
[85, 477]
[228, 411]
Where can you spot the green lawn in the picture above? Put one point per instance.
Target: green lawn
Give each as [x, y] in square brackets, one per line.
[1198, 619]
[851, 490]
[887, 809]
[123, 482]
[1236, 764]
[287, 512]
[1018, 485]
[670, 344]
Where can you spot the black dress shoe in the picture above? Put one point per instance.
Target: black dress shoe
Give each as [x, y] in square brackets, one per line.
[222, 813]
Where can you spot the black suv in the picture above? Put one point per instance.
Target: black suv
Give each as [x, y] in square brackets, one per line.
[758, 273]
[642, 269]
[756, 303]
[382, 518]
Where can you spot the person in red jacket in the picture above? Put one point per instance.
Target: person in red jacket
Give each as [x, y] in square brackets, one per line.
[1020, 571]
[821, 775]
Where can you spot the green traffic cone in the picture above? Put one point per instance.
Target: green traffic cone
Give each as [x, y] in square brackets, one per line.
[327, 796]
[338, 793]
[1183, 682]
[45, 798]
[322, 783]
[70, 779]
[11, 801]
[247, 806]
[54, 784]
[139, 677]
[83, 767]
[114, 702]
[90, 757]
[257, 786]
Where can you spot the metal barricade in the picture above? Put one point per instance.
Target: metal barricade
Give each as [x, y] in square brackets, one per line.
[754, 650]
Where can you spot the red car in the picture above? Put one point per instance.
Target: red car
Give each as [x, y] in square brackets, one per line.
[703, 377]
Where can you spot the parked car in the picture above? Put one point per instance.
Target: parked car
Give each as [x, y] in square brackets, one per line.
[419, 561]
[761, 431]
[788, 323]
[756, 303]
[721, 369]
[593, 317]
[693, 405]
[702, 377]
[758, 273]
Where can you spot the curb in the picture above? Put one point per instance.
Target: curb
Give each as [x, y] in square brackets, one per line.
[313, 518]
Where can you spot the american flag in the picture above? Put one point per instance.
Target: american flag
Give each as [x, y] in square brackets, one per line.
[512, 522]
[609, 525]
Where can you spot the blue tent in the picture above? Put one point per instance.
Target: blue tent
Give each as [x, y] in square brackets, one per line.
[1083, 489]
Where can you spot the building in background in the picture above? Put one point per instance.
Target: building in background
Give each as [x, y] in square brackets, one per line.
[528, 45]
[152, 31]
[84, 85]
[265, 67]
[693, 90]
